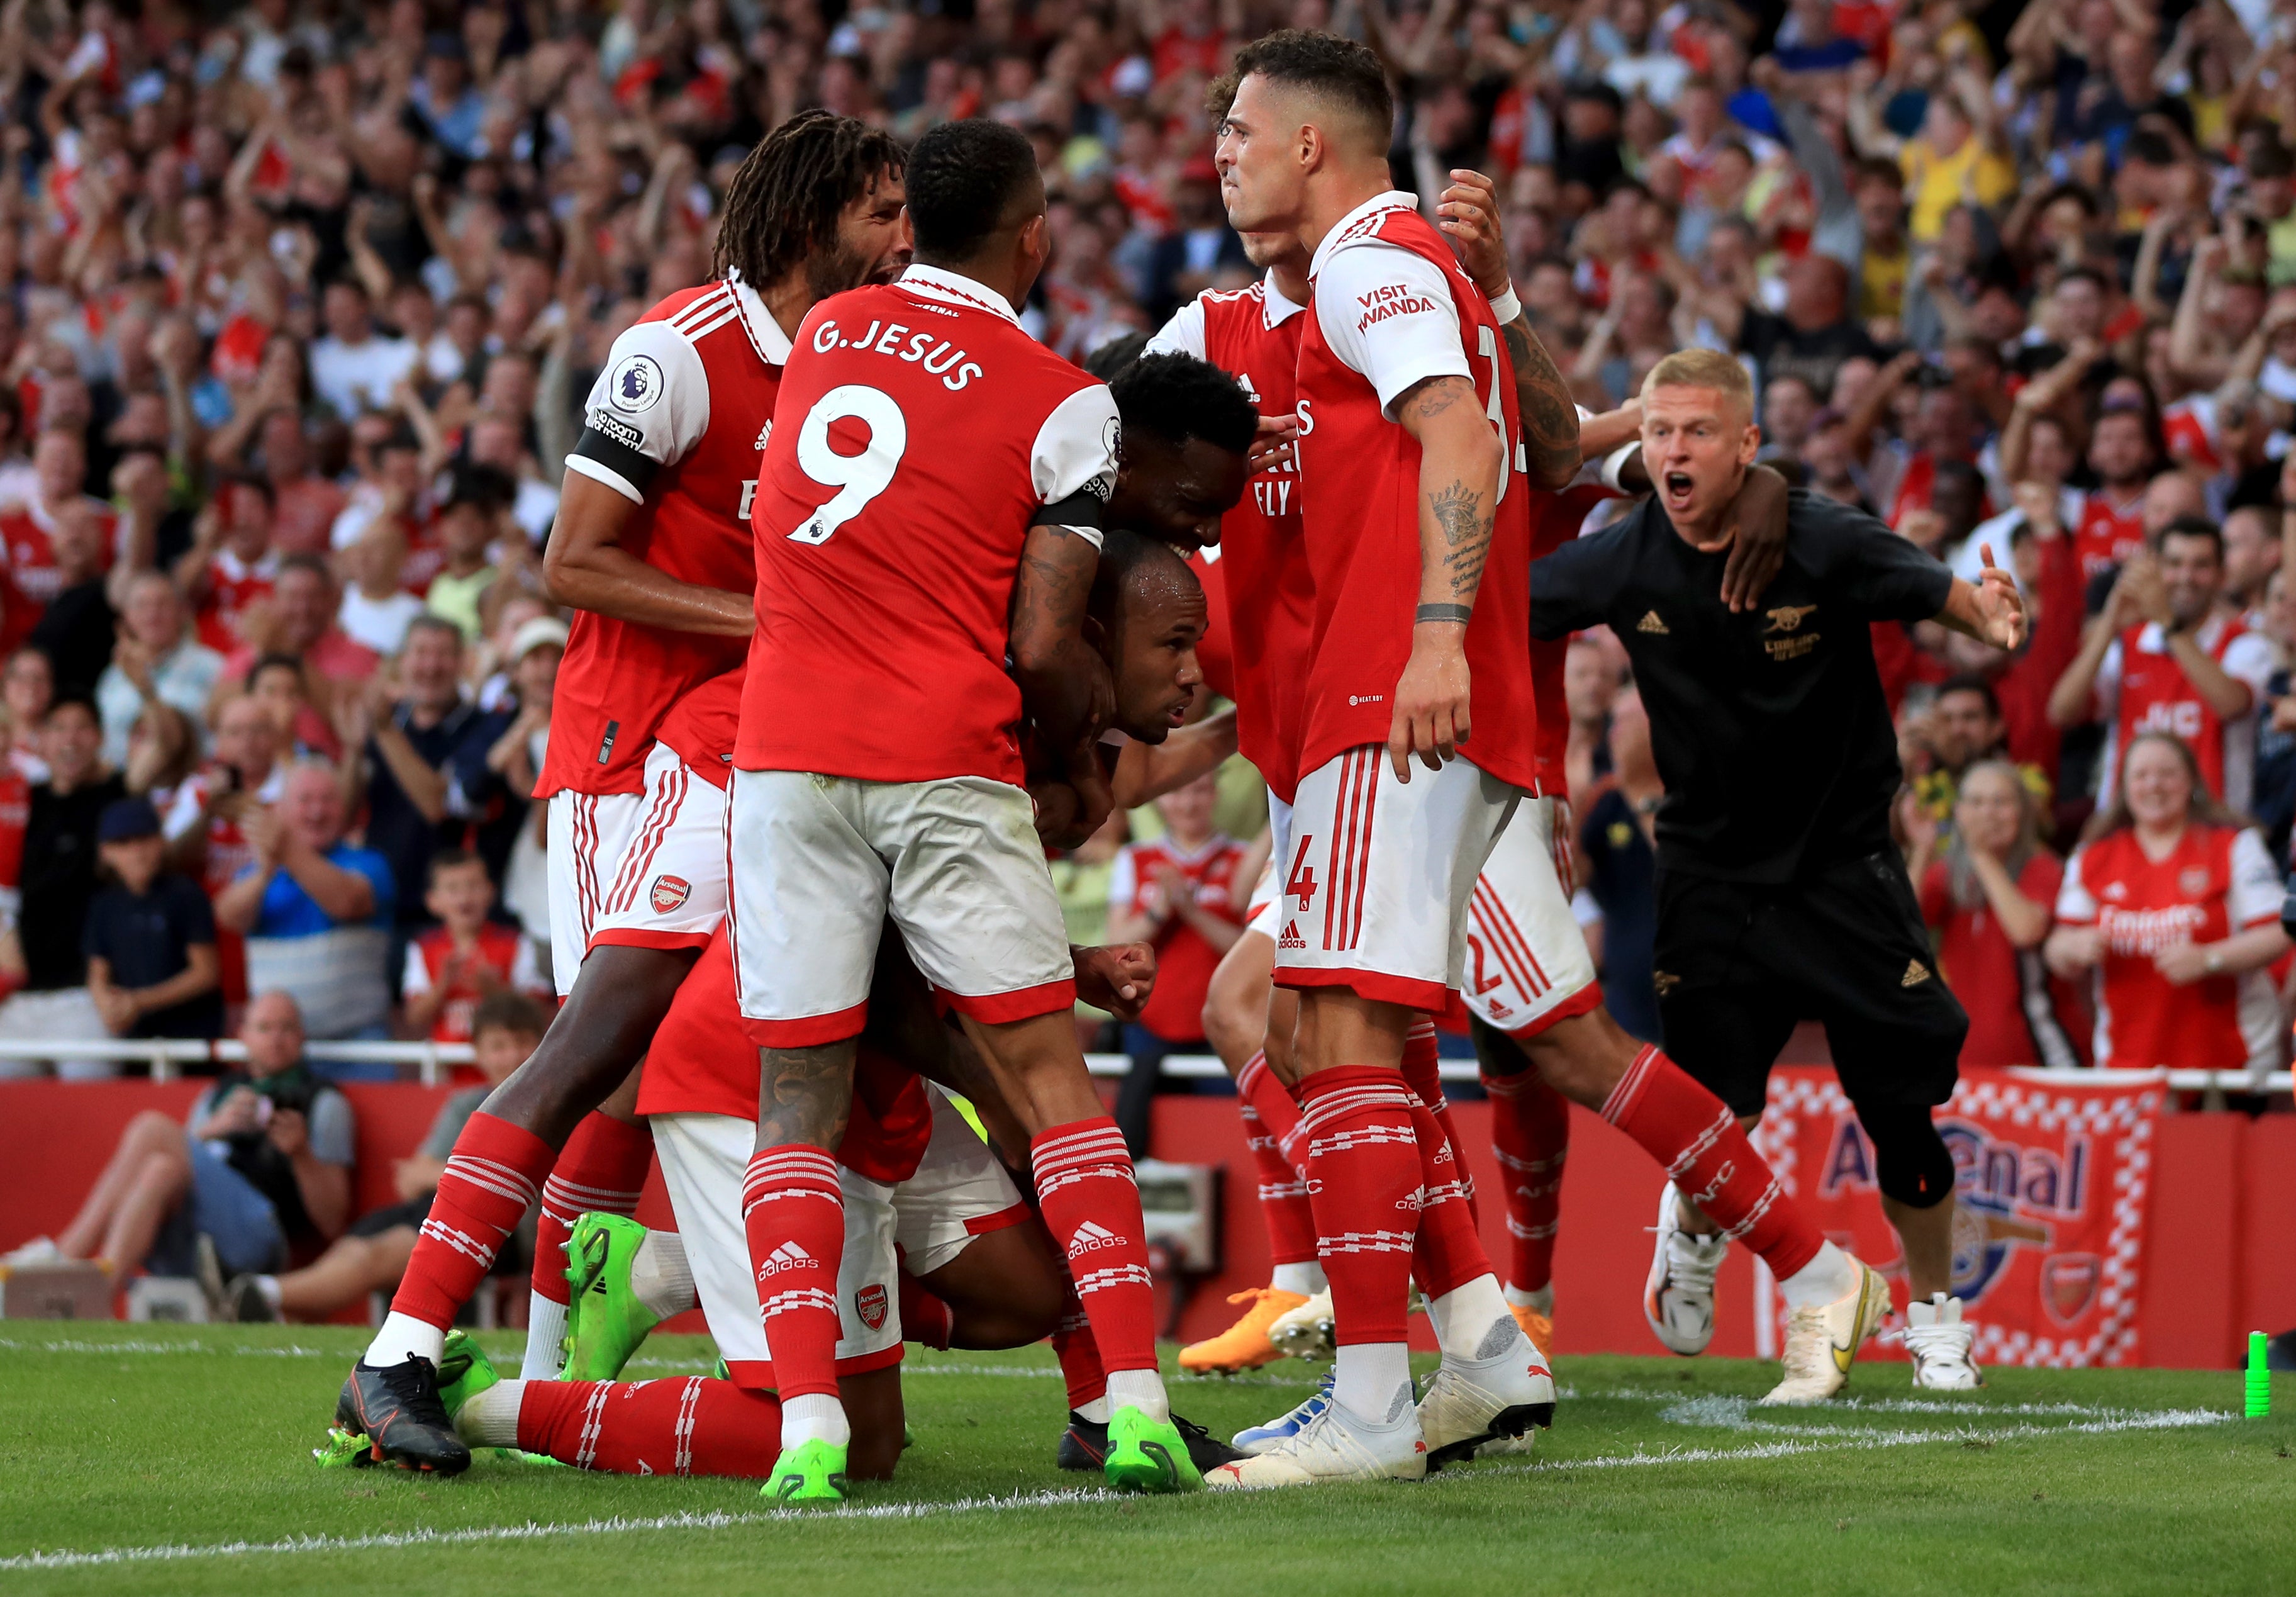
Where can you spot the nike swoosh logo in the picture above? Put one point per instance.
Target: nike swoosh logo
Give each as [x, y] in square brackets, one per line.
[1844, 1357]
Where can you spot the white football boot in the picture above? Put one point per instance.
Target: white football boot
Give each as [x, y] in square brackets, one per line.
[1939, 1342]
[1305, 1332]
[1821, 1339]
[1679, 1300]
[1336, 1446]
[1491, 1405]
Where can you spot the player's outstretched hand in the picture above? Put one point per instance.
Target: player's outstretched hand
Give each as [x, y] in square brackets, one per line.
[1468, 213]
[1271, 445]
[1430, 700]
[1118, 978]
[2000, 607]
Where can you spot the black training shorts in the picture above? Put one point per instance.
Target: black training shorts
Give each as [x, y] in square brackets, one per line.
[1738, 966]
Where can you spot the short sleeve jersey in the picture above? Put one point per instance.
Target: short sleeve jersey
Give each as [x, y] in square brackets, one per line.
[921, 433]
[234, 584]
[700, 1064]
[1993, 980]
[1253, 335]
[1769, 728]
[674, 423]
[2106, 534]
[2215, 882]
[1184, 960]
[1391, 309]
[2141, 687]
[501, 949]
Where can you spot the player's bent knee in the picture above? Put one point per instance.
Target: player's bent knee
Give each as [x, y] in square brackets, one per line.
[1582, 1057]
[1911, 1161]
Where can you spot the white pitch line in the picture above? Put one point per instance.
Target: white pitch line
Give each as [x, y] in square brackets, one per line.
[1837, 1442]
[1942, 1406]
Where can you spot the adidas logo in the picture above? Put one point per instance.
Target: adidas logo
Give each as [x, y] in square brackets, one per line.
[765, 432]
[1090, 1239]
[1650, 623]
[1916, 973]
[2116, 890]
[789, 1255]
[1291, 938]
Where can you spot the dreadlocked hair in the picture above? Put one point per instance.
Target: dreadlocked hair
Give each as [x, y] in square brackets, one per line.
[784, 202]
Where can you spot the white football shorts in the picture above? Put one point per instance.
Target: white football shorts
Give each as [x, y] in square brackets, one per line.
[819, 862]
[670, 888]
[1528, 965]
[959, 1192]
[1374, 894]
[587, 832]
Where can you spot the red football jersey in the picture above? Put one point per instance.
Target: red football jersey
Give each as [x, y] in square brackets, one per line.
[675, 423]
[924, 433]
[232, 584]
[701, 728]
[700, 1062]
[2149, 693]
[1359, 473]
[1216, 649]
[2215, 882]
[29, 556]
[1184, 961]
[500, 948]
[1253, 335]
[2108, 533]
[1993, 980]
[1556, 521]
[15, 814]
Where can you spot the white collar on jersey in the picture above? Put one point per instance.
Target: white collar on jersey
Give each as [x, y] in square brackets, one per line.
[772, 344]
[931, 282]
[1275, 307]
[1352, 225]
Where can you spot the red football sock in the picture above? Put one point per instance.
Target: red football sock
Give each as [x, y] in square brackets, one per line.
[1270, 1116]
[794, 1213]
[601, 1170]
[490, 1181]
[1078, 1354]
[1422, 1073]
[1693, 1134]
[1531, 1135]
[1091, 1205]
[925, 1318]
[1447, 1254]
[693, 1426]
[1363, 1175]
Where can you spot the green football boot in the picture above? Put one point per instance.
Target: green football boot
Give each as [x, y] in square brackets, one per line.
[343, 1449]
[1147, 1456]
[605, 1322]
[811, 1472]
[465, 1372]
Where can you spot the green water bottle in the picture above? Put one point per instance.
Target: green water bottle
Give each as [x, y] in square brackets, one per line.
[2259, 1377]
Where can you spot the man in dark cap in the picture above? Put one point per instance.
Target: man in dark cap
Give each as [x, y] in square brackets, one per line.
[151, 936]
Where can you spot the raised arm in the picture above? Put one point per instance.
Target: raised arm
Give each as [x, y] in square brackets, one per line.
[1470, 214]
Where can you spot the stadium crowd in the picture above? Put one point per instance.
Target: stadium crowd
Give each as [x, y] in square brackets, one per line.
[302, 301]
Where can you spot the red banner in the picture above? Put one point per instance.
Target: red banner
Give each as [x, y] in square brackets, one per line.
[2051, 1182]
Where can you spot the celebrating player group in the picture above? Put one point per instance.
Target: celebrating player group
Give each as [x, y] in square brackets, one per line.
[877, 598]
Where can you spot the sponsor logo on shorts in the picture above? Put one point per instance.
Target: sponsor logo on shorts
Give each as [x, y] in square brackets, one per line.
[1650, 623]
[1291, 938]
[1916, 973]
[789, 1255]
[869, 1303]
[668, 893]
[1090, 1237]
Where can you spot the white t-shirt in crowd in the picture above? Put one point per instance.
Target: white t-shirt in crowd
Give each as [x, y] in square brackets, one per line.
[355, 378]
[381, 624]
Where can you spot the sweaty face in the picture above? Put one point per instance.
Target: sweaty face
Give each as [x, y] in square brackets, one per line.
[873, 242]
[1258, 153]
[1697, 444]
[1153, 652]
[1173, 493]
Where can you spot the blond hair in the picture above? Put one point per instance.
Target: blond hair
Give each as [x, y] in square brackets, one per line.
[1702, 368]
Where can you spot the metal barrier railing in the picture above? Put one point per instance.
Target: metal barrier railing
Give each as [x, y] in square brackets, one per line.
[167, 1056]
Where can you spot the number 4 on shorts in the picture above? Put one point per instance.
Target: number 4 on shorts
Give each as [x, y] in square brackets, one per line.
[1300, 883]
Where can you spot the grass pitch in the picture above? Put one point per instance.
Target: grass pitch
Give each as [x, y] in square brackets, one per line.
[165, 1459]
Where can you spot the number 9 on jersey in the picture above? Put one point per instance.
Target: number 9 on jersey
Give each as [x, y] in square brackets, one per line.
[856, 478]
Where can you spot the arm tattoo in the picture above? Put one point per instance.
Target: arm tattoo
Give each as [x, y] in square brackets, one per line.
[1431, 397]
[804, 1094]
[1054, 665]
[1550, 417]
[1465, 523]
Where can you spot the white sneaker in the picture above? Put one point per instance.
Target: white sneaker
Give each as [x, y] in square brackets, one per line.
[1487, 1406]
[1305, 1332]
[1939, 1341]
[1679, 1300]
[39, 1250]
[1821, 1339]
[1335, 1445]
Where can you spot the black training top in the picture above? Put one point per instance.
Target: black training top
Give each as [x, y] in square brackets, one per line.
[1770, 728]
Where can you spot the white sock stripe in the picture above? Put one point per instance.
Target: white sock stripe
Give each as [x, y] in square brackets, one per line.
[688, 1402]
[1508, 1161]
[1369, 1136]
[810, 1162]
[1099, 1136]
[462, 1242]
[1276, 1192]
[1770, 1194]
[1247, 1079]
[1353, 1100]
[1048, 1185]
[1532, 1233]
[487, 1176]
[1110, 1152]
[593, 1423]
[750, 1204]
[1700, 1144]
[1630, 1085]
[582, 1189]
[1364, 1242]
[1114, 1275]
[767, 1185]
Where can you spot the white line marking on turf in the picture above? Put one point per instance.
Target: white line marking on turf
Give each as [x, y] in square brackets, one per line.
[1837, 1440]
[533, 1532]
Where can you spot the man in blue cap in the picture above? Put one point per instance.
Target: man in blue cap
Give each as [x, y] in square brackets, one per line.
[149, 936]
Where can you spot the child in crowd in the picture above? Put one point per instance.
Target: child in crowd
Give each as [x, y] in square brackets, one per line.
[466, 958]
